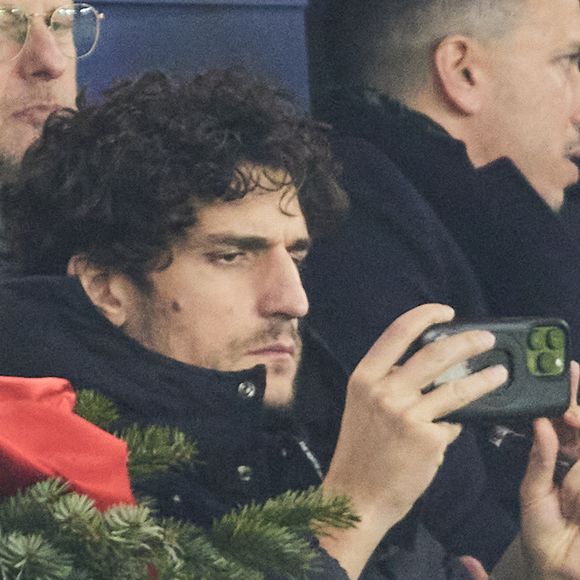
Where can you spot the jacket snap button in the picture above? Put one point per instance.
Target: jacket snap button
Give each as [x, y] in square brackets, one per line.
[245, 473]
[247, 390]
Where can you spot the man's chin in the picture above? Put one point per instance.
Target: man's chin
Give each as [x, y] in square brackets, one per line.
[13, 151]
[8, 166]
[279, 392]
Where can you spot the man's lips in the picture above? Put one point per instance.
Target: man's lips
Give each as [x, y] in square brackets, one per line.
[275, 350]
[575, 159]
[35, 114]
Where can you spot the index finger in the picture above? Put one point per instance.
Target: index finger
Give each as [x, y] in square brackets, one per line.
[538, 480]
[394, 342]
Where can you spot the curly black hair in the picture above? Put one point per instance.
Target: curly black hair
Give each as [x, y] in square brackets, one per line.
[120, 182]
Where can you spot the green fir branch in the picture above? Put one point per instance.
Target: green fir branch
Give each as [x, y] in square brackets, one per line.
[80, 575]
[303, 512]
[96, 409]
[280, 552]
[48, 532]
[280, 527]
[189, 555]
[31, 557]
[77, 514]
[28, 510]
[133, 527]
[246, 544]
[156, 449]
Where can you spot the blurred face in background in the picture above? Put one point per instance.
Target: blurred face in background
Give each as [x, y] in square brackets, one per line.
[36, 81]
[532, 111]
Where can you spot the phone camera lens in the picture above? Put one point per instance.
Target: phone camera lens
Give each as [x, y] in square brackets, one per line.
[537, 339]
[555, 339]
[550, 364]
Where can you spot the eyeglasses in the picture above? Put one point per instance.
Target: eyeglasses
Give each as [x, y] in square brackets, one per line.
[74, 27]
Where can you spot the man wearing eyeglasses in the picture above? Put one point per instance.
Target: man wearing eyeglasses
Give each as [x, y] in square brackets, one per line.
[40, 41]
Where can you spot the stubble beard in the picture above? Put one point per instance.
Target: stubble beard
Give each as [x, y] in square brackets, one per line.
[280, 381]
[9, 165]
[147, 328]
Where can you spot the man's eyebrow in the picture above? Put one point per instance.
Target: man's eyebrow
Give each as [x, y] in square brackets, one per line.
[238, 241]
[250, 243]
[573, 47]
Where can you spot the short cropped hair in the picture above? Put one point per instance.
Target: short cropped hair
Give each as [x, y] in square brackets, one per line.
[120, 182]
[388, 44]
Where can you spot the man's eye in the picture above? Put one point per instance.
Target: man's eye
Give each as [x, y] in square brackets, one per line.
[228, 258]
[62, 20]
[61, 27]
[13, 27]
[572, 60]
[299, 260]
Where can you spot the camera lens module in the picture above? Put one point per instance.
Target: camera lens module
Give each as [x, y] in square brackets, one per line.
[546, 351]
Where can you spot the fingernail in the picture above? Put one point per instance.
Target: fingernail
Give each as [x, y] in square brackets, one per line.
[449, 310]
[498, 373]
[487, 339]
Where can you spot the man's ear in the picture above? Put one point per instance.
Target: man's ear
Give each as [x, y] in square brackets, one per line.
[458, 73]
[112, 293]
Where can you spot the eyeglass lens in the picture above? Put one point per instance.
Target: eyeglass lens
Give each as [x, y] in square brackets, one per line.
[74, 27]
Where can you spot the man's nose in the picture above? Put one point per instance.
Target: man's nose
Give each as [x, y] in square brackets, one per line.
[576, 101]
[282, 292]
[40, 57]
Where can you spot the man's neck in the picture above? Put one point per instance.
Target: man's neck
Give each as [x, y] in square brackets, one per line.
[441, 115]
[469, 130]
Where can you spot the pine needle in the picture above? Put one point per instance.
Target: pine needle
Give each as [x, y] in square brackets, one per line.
[31, 557]
[96, 409]
[157, 449]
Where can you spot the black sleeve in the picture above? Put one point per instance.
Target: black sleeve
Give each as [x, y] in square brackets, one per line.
[461, 508]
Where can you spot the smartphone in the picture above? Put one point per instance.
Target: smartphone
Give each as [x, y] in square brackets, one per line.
[536, 353]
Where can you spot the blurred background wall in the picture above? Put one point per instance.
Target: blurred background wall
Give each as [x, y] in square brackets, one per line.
[267, 36]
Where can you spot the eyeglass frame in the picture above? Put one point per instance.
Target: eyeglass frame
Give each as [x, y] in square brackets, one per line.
[47, 18]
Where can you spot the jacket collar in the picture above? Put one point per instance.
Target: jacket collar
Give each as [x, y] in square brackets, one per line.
[85, 348]
[75, 341]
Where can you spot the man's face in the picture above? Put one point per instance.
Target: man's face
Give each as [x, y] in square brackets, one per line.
[232, 297]
[32, 85]
[532, 111]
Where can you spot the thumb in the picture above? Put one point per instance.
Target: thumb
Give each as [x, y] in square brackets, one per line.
[574, 380]
[538, 480]
[572, 415]
[474, 567]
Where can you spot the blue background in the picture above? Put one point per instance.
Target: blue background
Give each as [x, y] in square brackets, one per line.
[267, 36]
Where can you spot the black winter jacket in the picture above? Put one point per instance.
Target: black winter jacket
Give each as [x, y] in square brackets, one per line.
[50, 328]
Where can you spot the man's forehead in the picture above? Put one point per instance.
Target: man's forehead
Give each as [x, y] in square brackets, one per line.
[269, 215]
[559, 17]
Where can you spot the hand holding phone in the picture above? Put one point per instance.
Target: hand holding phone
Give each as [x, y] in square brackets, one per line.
[535, 351]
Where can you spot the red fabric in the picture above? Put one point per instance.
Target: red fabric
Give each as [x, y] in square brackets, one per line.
[41, 437]
[57, 393]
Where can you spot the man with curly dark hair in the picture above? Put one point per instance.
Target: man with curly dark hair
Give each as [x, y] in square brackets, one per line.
[127, 165]
[160, 235]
